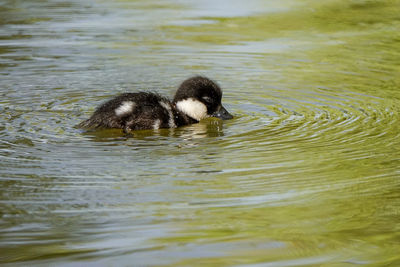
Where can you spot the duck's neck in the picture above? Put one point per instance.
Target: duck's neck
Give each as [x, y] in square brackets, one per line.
[182, 118]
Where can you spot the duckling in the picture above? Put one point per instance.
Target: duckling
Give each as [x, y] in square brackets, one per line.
[196, 98]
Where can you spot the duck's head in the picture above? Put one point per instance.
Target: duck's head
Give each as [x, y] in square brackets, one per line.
[199, 97]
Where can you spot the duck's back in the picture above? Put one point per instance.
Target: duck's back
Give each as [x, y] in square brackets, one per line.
[133, 111]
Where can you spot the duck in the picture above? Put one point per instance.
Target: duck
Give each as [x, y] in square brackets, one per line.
[196, 98]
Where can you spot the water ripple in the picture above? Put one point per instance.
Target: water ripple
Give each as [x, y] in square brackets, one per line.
[306, 173]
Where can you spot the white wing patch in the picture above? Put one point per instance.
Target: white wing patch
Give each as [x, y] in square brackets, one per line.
[125, 108]
[193, 108]
[156, 125]
[167, 106]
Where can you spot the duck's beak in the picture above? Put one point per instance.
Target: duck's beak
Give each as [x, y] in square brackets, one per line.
[222, 113]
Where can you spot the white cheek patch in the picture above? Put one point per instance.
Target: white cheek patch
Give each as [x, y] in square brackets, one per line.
[193, 108]
[171, 122]
[125, 108]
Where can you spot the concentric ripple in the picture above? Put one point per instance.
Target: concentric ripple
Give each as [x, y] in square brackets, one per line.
[307, 173]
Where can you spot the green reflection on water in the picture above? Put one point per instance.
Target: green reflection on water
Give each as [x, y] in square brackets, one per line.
[343, 181]
[306, 174]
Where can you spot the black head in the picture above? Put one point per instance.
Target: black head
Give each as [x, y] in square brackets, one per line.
[199, 97]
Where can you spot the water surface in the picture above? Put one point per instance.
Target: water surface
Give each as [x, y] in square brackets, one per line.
[306, 174]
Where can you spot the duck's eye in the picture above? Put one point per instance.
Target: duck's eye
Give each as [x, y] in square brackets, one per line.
[207, 99]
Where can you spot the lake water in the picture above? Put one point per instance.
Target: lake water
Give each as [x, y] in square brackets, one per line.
[306, 174]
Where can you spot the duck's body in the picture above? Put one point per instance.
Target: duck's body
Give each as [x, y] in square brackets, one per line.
[137, 111]
[195, 99]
